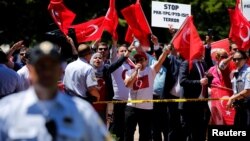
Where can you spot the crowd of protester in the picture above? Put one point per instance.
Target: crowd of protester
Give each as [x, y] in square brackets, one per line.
[48, 86]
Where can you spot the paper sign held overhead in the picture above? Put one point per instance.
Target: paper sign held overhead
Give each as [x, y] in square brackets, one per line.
[245, 7]
[166, 14]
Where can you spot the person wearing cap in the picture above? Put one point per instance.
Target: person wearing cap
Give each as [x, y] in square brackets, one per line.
[42, 113]
[10, 82]
[79, 78]
[140, 82]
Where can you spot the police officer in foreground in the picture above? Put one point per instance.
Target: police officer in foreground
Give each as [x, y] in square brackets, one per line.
[241, 87]
[42, 113]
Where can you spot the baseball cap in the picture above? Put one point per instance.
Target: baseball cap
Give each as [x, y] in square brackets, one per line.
[44, 49]
[140, 55]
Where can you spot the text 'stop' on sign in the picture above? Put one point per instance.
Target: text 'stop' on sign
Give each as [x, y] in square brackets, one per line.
[245, 7]
[166, 14]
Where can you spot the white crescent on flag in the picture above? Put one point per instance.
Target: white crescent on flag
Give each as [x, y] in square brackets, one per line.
[185, 34]
[95, 27]
[55, 15]
[107, 15]
[138, 83]
[223, 105]
[244, 39]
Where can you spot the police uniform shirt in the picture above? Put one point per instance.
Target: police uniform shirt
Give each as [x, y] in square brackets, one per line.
[241, 79]
[10, 81]
[78, 77]
[24, 117]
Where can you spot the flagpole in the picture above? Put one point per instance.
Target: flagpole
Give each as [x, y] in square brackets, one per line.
[180, 29]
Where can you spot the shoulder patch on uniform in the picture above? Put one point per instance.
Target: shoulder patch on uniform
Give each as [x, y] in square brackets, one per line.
[248, 77]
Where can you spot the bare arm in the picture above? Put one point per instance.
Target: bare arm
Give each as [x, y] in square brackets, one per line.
[224, 63]
[161, 59]
[240, 95]
[130, 81]
[16, 46]
[71, 42]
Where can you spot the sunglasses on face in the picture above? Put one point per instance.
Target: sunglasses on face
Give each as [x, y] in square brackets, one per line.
[237, 59]
[104, 49]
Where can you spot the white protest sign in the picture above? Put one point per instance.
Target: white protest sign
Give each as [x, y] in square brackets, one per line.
[166, 14]
[245, 7]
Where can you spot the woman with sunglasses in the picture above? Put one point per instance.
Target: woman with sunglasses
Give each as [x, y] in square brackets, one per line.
[220, 79]
[240, 100]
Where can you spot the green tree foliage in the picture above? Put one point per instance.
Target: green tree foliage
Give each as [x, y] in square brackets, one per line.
[30, 20]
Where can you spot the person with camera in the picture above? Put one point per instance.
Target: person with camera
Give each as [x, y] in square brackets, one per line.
[240, 100]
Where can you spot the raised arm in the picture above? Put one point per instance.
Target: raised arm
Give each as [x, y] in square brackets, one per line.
[129, 81]
[72, 44]
[120, 61]
[158, 64]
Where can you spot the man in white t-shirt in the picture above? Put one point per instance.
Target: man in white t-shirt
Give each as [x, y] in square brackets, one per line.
[140, 80]
[120, 93]
[24, 72]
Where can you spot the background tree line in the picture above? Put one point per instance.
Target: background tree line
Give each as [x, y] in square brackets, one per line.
[30, 19]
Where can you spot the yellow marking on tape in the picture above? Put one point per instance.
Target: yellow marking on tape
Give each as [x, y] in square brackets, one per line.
[161, 100]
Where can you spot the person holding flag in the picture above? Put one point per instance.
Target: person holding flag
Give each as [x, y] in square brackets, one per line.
[220, 87]
[195, 116]
[139, 81]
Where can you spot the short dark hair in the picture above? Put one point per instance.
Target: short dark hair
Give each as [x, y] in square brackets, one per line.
[230, 47]
[83, 50]
[243, 54]
[123, 45]
[102, 44]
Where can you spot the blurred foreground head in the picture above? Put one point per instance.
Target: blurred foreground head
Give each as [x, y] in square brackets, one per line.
[44, 66]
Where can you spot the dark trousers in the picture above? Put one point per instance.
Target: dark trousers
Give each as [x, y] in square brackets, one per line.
[160, 121]
[195, 123]
[174, 122]
[143, 118]
[117, 125]
[242, 118]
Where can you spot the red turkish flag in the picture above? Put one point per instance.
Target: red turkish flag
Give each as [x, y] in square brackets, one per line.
[187, 41]
[219, 113]
[129, 35]
[89, 31]
[111, 20]
[61, 15]
[221, 44]
[141, 83]
[138, 23]
[240, 29]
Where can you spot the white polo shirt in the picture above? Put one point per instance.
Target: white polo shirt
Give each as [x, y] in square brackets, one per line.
[23, 117]
[142, 88]
[79, 76]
